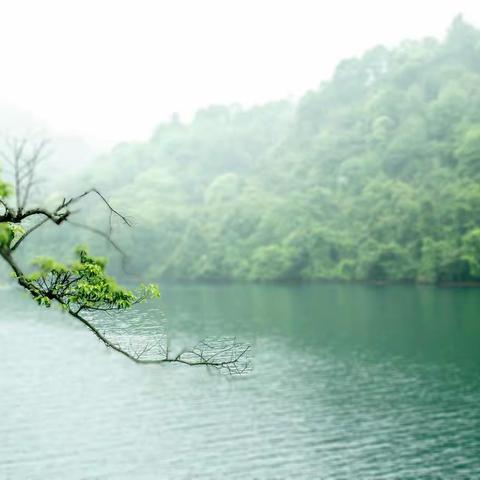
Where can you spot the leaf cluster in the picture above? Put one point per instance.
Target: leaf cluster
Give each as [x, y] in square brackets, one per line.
[83, 285]
[5, 189]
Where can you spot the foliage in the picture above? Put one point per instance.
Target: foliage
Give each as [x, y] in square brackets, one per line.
[5, 189]
[8, 232]
[83, 285]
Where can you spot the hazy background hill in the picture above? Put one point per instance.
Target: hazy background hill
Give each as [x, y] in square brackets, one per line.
[372, 176]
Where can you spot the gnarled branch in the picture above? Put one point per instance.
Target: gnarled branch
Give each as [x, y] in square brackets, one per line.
[62, 286]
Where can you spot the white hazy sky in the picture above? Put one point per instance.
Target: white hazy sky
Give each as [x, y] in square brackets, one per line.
[111, 70]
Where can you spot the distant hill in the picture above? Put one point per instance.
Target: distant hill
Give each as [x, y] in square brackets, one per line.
[374, 176]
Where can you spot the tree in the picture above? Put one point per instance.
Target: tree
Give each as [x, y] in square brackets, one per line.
[82, 288]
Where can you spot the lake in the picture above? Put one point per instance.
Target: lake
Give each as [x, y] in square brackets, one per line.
[349, 382]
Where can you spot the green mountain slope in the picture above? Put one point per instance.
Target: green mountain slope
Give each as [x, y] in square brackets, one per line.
[373, 176]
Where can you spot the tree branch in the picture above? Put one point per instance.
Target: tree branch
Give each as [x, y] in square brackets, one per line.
[28, 232]
[101, 234]
[63, 285]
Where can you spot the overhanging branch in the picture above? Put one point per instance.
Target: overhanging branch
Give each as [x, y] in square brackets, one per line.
[58, 286]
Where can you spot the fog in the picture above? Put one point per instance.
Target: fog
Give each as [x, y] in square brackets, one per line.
[110, 71]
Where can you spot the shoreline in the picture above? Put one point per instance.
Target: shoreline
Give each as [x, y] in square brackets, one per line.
[297, 282]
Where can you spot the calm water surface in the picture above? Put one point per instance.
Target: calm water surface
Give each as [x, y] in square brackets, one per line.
[349, 382]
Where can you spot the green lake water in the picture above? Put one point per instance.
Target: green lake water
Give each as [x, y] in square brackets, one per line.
[349, 382]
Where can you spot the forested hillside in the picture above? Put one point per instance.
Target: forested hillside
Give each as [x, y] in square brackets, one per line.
[373, 176]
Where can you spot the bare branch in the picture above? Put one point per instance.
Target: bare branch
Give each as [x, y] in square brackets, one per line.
[111, 209]
[23, 157]
[5, 206]
[28, 232]
[101, 234]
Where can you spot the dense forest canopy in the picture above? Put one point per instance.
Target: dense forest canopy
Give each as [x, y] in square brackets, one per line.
[373, 176]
